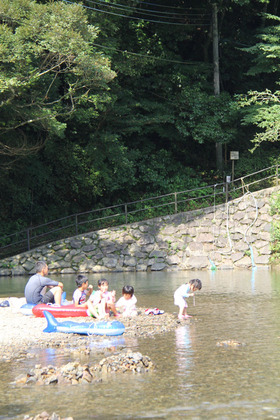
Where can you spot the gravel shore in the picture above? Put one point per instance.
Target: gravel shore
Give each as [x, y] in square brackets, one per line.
[20, 332]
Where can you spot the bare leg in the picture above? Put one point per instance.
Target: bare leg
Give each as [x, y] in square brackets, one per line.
[92, 310]
[57, 292]
[112, 308]
[185, 314]
[181, 312]
[101, 309]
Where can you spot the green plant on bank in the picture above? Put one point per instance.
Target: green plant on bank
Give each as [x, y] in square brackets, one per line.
[275, 204]
[8, 265]
[175, 248]
[275, 234]
[275, 244]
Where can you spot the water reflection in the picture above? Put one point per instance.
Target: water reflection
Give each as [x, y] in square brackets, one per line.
[107, 343]
[253, 279]
[184, 348]
[98, 347]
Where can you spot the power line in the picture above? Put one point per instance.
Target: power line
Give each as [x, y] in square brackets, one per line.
[149, 11]
[125, 51]
[136, 18]
[170, 7]
[146, 12]
[129, 52]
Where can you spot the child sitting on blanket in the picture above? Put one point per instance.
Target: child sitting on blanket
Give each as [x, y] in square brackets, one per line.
[126, 305]
[80, 297]
[104, 298]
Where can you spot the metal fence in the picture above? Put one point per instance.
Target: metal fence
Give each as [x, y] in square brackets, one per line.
[135, 211]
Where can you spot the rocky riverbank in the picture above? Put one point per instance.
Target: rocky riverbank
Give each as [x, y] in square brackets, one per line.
[46, 416]
[20, 333]
[76, 373]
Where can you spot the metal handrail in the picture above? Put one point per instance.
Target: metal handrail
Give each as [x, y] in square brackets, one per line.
[181, 201]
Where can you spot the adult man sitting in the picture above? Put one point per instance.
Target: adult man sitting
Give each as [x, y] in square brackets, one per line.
[36, 284]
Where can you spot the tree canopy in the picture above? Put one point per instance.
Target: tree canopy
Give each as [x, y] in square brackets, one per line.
[108, 102]
[262, 107]
[48, 67]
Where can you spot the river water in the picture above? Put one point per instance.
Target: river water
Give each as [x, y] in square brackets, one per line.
[194, 378]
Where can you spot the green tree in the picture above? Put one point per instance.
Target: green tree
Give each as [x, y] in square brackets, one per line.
[48, 67]
[261, 108]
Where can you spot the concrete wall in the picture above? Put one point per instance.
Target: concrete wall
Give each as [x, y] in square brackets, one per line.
[230, 236]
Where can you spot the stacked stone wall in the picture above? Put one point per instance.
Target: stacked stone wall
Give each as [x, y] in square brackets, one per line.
[236, 235]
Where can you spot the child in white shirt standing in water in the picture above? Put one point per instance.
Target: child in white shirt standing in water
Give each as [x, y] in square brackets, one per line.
[184, 291]
[127, 303]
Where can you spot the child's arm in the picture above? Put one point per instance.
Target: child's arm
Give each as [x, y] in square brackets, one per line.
[120, 304]
[95, 298]
[80, 305]
[113, 296]
[76, 302]
[89, 290]
[76, 298]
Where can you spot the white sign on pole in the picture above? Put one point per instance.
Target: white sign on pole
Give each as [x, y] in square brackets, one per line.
[234, 155]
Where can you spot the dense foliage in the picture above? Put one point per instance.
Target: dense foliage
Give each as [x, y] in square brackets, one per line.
[109, 102]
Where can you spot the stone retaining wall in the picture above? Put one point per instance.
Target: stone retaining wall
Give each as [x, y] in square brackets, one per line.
[230, 236]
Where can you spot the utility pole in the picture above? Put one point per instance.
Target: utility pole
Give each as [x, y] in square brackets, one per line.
[216, 70]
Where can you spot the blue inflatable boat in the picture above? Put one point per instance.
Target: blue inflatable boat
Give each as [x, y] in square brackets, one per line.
[85, 328]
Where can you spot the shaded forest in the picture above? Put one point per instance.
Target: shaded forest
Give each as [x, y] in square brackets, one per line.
[104, 102]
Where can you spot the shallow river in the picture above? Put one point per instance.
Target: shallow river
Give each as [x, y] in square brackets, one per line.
[194, 378]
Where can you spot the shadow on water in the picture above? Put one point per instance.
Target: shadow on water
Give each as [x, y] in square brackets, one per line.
[194, 377]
